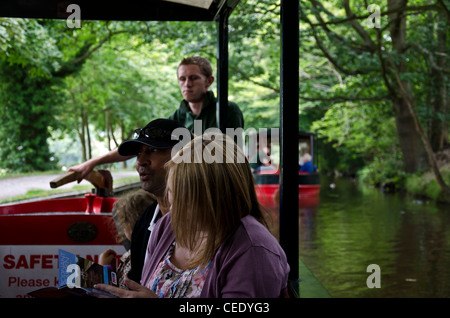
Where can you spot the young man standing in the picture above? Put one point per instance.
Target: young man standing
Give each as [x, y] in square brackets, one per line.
[194, 78]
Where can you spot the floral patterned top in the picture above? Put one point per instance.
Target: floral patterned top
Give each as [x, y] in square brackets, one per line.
[124, 268]
[168, 281]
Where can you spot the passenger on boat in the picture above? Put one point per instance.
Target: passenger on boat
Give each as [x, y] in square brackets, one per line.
[194, 78]
[307, 165]
[214, 242]
[153, 146]
[127, 210]
[262, 161]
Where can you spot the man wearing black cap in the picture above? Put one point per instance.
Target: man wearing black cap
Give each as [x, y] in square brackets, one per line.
[152, 145]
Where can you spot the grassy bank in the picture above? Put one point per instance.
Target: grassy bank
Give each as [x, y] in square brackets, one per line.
[425, 185]
[389, 176]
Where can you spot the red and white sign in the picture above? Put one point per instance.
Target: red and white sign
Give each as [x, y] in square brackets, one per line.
[25, 268]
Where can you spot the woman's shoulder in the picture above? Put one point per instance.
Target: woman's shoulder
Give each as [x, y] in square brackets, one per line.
[163, 223]
[253, 234]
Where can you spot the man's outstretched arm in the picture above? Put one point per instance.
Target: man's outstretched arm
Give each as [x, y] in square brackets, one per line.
[84, 168]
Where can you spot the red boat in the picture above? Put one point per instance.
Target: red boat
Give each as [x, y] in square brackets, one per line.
[31, 234]
[267, 177]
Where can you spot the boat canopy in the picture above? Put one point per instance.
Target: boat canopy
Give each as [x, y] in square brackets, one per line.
[156, 10]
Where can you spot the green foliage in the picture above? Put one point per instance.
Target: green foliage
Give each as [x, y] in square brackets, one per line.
[425, 185]
[349, 83]
[119, 92]
[29, 94]
[27, 113]
[27, 44]
[383, 172]
[255, 62]
[363, 138]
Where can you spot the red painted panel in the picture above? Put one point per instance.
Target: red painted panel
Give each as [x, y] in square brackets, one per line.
[268, 195]
[52, 229]
[47, 222]
[57, 205]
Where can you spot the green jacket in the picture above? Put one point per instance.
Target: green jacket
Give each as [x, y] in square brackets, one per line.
[208, 114]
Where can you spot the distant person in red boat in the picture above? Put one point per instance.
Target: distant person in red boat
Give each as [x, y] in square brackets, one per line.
[262, 161]
[307, 165]
[194, 78]
[214, 242]
[127, 210]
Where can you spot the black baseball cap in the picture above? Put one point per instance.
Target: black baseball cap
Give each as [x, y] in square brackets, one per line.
[157, 134]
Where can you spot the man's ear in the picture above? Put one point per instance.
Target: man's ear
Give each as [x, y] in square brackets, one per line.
[209, 81]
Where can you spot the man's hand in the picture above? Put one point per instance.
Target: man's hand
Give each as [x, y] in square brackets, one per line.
[136, 290]
[83, 169]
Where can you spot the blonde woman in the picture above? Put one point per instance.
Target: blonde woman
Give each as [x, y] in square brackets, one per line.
[214, 242]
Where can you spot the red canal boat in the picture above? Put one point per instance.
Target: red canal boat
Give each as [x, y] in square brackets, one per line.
[267, 175]
[32, 233]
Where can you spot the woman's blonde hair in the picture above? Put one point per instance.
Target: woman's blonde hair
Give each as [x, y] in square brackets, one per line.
[210, 196]
[129, 208]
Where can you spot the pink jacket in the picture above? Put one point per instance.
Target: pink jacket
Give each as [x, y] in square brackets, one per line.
[250, 263]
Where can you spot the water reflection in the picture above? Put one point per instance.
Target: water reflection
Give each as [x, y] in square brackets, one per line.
[353, 227]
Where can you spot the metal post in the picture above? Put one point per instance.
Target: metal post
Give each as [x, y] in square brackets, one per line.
[289, 107]
[222, 70]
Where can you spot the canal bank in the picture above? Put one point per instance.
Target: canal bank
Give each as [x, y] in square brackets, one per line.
[424, 185]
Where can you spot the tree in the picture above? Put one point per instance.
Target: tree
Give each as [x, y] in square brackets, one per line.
[119, 90]
[27, 94]
[387, 63]
[36, 56]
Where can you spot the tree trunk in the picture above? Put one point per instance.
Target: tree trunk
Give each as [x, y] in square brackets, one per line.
[414, 154]
[413, 150]
[418, 145]
[82, 135]
[445, 188]
[439, 101]
[123, 137]
[88, 134]
[107, 128]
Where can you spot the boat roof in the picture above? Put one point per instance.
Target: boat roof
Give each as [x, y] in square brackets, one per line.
[157, 10]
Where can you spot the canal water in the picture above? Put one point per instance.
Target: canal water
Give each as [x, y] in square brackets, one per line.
[353, 227]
